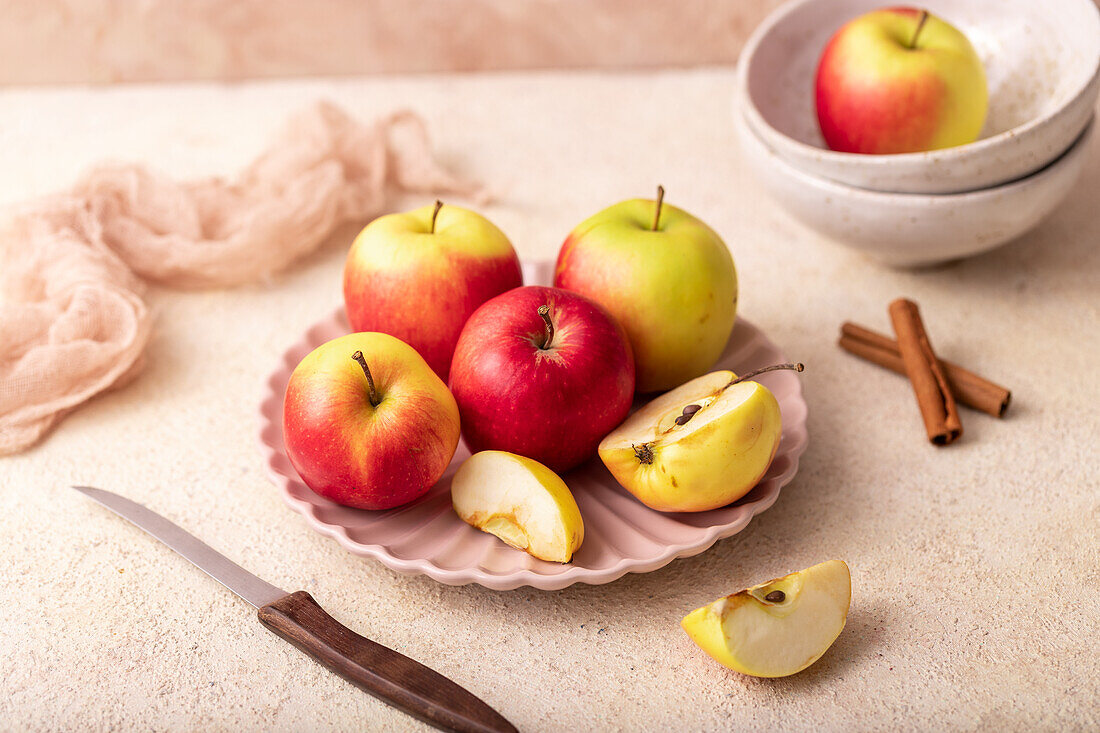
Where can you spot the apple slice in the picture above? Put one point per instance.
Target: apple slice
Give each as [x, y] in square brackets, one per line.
[776, 628]
[520, 501]
[701, 446]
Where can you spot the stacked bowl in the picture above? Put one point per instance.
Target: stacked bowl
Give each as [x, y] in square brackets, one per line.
[1042, 65]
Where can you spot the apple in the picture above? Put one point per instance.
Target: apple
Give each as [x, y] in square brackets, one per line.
[776, 628]
[520, 501]
[419, 275]
[899, 80]
[666, 277]
[544, 373]
[700, 446]
[367, 423]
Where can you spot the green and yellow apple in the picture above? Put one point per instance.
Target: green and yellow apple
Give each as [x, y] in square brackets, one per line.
[899, 80]
[666, 276]
[419, 275]
[776, 628]
[700, 446]
[367, 423]
[520, 501]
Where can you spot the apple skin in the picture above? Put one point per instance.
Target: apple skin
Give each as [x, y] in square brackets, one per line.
[674, 290]
[358, 454]
[552, 405]
[875, 94]
[402, 279]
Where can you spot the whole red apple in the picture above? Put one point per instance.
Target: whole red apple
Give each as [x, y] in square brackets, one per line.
[403, 267]
[544, 373]
[367, 423]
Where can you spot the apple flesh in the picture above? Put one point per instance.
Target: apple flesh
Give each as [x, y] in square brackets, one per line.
[548, 389]
[698, 447]
[664, 275]
[520, 501]
[777, 628]
[419, 275]
[371, 442]
[879, 92]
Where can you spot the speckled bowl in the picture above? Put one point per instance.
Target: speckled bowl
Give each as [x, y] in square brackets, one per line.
[1042, 61]
[913, 229]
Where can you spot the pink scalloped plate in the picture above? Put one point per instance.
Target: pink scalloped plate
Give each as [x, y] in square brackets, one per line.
[621, 535]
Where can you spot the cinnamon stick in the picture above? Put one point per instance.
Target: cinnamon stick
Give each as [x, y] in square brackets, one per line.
[934, 396]
[969, 388]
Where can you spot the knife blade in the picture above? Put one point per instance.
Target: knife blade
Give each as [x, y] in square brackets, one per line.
[388, 675]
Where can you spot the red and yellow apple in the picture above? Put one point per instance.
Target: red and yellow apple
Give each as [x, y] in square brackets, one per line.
[367, 423]
[419, 275]
[666, 276]
[543, 373]
[899, 80]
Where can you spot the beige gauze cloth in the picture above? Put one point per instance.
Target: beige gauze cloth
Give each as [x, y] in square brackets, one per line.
[72, 266]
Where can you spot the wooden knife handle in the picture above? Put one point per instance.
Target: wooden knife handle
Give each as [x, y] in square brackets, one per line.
[394, 678]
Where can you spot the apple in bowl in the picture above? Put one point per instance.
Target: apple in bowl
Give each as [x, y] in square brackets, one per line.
[419, 275]
[899, 80]
[542, 373]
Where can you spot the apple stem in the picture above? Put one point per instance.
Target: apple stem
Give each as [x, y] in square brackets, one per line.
[435, 213]
[544, 311]
[657, 212]
[920, 25]
[358, 356]
[744, 377]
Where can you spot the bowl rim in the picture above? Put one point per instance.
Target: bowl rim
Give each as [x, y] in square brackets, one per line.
[757, 120]
[828, 185]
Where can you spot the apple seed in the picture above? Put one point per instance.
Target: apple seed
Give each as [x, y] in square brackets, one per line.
[776, 596]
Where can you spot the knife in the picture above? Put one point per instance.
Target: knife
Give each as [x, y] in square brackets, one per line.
[393, 678]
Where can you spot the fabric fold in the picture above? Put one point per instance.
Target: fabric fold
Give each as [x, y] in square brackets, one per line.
[73, 266]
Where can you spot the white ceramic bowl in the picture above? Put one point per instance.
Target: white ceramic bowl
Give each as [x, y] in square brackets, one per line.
[1042, 61]
[912, 229]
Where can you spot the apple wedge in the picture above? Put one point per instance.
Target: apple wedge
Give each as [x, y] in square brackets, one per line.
[776, 628]
[701, 446]
[520, 501]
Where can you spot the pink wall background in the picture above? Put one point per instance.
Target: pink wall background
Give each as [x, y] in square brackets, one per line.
[103, 41]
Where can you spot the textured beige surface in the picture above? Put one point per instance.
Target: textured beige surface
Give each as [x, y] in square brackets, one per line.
[976, 590]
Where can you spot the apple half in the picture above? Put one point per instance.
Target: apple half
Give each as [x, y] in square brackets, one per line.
[520, 501]
[698, 447]
[776, 628]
